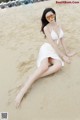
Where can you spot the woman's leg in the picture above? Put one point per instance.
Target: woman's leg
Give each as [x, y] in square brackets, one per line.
[57, 65]
[36, 75]
[42, 71]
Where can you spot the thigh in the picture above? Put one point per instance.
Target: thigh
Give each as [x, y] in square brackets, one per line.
[45, 63]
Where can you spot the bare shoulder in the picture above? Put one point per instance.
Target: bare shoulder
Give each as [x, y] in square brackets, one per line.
[46, 29]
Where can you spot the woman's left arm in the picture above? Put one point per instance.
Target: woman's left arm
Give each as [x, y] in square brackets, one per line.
[67, 52]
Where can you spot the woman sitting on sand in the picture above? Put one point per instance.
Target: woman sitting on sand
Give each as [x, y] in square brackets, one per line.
[50, 59]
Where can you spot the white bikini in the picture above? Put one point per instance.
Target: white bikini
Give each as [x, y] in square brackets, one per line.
[47, 50]
[55, 36]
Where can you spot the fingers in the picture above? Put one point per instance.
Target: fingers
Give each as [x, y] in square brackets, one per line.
[66, 59]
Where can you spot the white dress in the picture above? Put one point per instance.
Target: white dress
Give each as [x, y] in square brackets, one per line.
[46, 50]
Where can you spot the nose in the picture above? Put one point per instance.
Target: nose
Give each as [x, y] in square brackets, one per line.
[51, 19]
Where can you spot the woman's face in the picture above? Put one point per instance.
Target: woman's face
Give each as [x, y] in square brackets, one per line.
[50, 17]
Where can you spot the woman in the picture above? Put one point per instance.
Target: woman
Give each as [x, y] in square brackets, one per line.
[50, 58]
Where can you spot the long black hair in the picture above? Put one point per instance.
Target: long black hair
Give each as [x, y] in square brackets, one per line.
[43, 18]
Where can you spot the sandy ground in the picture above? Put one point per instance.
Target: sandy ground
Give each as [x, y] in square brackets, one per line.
[56, 97]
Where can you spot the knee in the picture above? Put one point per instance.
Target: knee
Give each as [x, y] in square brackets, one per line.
[59, 66]
[44, 68]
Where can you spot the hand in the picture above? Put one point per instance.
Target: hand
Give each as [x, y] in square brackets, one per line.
[71, 54]
[66, 59]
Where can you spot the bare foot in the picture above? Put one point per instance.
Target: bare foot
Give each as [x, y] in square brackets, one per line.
[18, 99]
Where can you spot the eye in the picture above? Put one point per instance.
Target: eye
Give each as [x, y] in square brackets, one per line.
[50, 16]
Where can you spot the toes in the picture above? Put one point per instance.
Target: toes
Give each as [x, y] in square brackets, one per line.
[17, 103]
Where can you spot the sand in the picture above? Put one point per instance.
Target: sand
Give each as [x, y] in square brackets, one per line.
[56, 97]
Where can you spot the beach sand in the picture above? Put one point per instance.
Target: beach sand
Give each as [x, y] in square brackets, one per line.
[55, 97]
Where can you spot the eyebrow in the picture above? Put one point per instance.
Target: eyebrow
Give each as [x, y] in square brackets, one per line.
[49, 15]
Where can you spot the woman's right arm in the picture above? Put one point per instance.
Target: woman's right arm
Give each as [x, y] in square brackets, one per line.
[60, 53]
